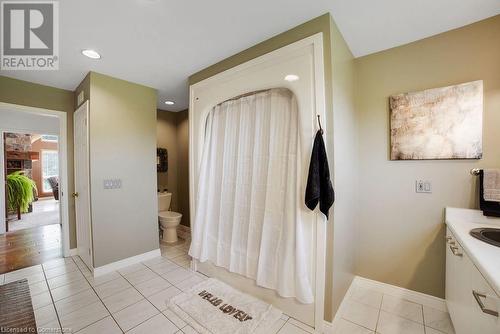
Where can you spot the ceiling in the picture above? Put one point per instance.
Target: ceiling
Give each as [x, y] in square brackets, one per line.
[159, 43]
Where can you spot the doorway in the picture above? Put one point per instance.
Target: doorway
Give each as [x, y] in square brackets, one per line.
[33, 202]
[31, 162]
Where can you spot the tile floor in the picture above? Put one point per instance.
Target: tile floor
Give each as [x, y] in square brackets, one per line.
[368, 311]
[67, 297]
[133, 300]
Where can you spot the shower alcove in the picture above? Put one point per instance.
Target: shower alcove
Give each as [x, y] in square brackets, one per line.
[304, 60]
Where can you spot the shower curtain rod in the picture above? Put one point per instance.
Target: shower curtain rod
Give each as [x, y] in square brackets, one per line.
[246, 94]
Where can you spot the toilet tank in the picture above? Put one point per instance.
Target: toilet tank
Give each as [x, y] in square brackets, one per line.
[164, 199]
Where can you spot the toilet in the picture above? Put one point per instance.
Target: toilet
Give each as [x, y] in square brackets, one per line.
[169, 220]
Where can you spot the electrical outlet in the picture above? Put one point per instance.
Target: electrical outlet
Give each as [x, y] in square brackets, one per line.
[423, 186]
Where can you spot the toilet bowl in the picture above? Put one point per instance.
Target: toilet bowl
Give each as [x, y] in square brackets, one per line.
[169, 220]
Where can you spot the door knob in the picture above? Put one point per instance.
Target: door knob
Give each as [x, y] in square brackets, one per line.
[75, 194]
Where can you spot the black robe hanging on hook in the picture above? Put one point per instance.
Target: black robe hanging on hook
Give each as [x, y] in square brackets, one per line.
[319, 186]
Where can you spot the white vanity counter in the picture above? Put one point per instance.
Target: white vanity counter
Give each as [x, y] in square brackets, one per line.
[485, 257]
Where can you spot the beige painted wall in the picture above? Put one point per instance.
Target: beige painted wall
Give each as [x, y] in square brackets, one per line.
[33, 95]
[401, 233]
[342, 251]
[122, 146]
[166, 137]
[183, 166]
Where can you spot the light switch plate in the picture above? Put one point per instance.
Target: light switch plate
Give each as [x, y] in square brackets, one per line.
[422, 186]
[112, 183]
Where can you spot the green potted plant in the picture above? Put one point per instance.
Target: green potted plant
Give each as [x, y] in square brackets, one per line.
[19, 192]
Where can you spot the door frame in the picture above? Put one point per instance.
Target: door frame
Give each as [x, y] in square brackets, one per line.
[63, 167]
[84, 107]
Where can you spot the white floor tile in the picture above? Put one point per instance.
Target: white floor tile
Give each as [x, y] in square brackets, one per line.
[135, 314]
[172, 252]
[69, 289]
[57, 271]
[361, 314]
[152, 286]
[23, 273]
[45, 315]
[158, 324]
[164, 267]
[84, 316]
[174, 318]
[275, 328]
[288, 328]
[37, 288]
[57, 263]
[41, 300]
[392, 324]
[177, 275]
[403, 308]
[140, 276]
[132, 268]
[122, 299]
[189, 282]
[31, 277]
[347, 327]
[75, 302]
[104, 326]
[50, 327]
[160, 299]
[99, 280]
[110, 288]
[438, 320]
[429, 330]
[301, 325]
[367, 296]
[182, 262]
[156, 260]
[65, 279]
[189, 330]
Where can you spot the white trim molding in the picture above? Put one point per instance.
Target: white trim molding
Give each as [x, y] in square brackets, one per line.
[72, 252]
[113, 266]
[63, 165]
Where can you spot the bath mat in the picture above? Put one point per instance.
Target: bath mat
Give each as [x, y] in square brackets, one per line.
[213, 307]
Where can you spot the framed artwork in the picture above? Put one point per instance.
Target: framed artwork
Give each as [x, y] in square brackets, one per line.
[439, 123]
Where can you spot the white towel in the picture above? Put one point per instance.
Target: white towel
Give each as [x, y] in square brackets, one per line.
[491, 185]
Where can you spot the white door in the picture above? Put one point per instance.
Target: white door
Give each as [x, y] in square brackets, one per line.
[82, 184]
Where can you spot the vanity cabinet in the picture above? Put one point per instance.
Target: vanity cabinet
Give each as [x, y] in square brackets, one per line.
[472, 303]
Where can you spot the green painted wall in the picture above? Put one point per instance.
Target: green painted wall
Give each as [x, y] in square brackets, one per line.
[122, 126]
[39, 96]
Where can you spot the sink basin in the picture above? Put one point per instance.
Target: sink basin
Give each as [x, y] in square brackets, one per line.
[489, 235]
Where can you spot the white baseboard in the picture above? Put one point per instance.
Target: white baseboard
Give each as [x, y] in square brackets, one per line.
[73, 252]
[396, 291]
[110, 267]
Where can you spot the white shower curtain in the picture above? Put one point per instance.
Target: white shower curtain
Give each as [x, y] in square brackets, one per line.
[249, 193]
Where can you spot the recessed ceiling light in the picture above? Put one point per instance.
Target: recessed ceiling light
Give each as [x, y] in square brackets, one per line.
[91, 54]
[169, 103]
[292, 77]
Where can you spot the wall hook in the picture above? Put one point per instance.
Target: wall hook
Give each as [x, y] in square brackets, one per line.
[319, 124]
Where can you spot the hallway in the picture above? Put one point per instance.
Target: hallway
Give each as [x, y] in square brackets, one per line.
[28, 247]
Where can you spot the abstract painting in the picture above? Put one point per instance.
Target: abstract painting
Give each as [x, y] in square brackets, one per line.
[439, 123]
